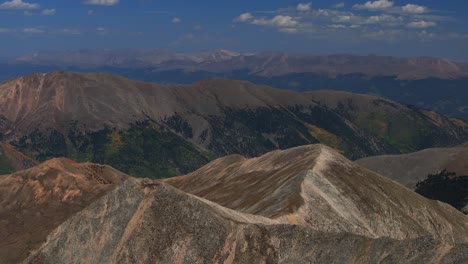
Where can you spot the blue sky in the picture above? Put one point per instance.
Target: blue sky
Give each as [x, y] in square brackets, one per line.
[403, 28]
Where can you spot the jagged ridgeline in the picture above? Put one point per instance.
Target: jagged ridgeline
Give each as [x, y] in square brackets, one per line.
[166, 130]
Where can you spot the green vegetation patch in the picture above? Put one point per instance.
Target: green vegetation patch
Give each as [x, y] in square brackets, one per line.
[146, 149]
[253, 132]
[5, 166]
[446, 187]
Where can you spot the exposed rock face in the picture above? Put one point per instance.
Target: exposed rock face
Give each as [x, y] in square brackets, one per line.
[304, 205]
[35, 201]
[102, 117]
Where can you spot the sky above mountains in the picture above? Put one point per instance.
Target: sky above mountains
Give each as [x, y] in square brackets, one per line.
[401, 28]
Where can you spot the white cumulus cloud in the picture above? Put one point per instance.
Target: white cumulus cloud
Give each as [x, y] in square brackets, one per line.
[414, 9]
[279, 21]
[244, 17]
[304, 7]
[176, 20]
[339, 5]
[102, 2]
[384, 19]
[421, 24]
[18, 4]
[375, 5]
[49, 12]
[283, 23]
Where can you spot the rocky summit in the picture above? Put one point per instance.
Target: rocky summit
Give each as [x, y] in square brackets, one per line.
[307, 204]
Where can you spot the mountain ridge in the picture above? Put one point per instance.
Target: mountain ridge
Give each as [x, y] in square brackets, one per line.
[416, 81]
[100, 117]
[320, 180]
[153, 221]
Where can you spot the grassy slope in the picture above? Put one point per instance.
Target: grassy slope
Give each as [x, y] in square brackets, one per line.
[144, 150]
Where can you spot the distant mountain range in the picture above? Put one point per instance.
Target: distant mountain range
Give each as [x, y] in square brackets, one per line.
[165, 130]
[305, 204]
[430, 83]
[266, 64]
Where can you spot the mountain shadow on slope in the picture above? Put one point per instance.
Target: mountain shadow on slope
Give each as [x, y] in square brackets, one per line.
[446, 187]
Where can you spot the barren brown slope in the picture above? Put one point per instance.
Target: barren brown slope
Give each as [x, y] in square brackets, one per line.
[95, 99]
[409, 169]
[146, 221]
[35, 201]
[439, 174]
[316, 187]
